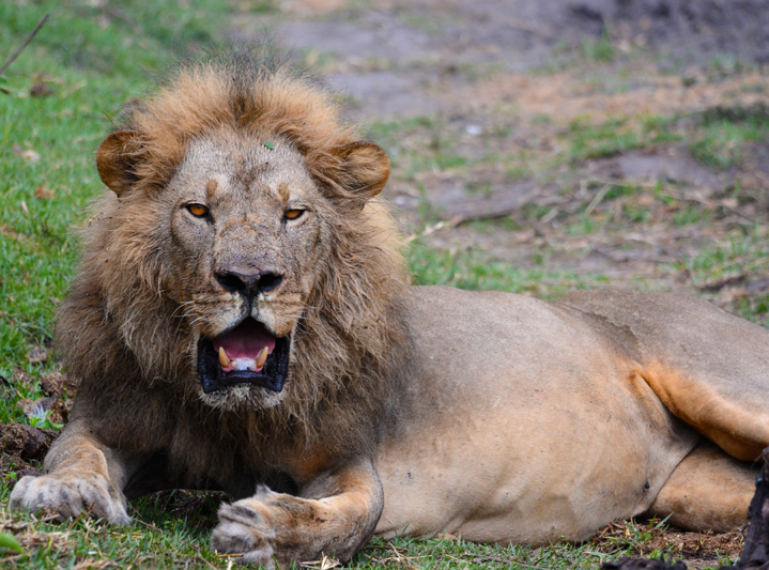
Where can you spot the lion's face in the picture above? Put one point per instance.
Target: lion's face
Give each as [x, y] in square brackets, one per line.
[243, 209]
[236, 241]
[242, 232]
[246, 238]
[247, 229]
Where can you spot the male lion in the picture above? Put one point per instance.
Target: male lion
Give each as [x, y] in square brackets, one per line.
[242, 321]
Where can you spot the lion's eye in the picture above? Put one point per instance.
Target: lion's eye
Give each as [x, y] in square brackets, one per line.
[197, 210]
[293, 214]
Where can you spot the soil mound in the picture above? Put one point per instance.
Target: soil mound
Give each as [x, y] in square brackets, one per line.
[685, 29]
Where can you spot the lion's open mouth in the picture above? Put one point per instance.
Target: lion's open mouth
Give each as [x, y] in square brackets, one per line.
[247, 354]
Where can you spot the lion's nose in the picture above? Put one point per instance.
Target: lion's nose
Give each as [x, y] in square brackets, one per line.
[249, 283]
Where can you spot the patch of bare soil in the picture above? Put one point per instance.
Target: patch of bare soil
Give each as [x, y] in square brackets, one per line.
[198, 508]
[697, 550]
[475, 70]
[671, 166]
[397, 58]
[566, 95]
[694, 29]
[23, 446]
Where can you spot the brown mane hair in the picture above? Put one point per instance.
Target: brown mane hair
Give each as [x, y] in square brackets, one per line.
[120, 332]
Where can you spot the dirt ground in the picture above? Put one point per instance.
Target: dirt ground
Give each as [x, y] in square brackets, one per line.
[477, 101]
[499, 85]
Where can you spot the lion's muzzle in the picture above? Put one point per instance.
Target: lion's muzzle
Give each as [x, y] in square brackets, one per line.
[248, 281]
[247, 354]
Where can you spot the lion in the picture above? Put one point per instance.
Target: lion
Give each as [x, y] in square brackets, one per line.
[242, 320]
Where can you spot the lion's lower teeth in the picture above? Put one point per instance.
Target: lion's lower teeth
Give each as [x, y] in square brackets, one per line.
[244, 364]
[262, 358]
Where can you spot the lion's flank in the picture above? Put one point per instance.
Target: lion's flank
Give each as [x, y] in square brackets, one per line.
[121, 332]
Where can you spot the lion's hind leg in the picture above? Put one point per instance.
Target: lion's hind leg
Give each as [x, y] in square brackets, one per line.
[732, 412]
[711, 370]
[709, 490]
[708, 367]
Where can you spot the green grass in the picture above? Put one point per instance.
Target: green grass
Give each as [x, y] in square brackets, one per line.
[717, 138]
[723, 134]
[94, 59]
[456, 553]
[468, 270]
[598, 50]
[744, 252]
[589, 140]
[163, 541]
[47, 143]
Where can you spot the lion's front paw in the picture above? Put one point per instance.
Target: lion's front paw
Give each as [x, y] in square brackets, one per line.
[68, 496]
[244, 530]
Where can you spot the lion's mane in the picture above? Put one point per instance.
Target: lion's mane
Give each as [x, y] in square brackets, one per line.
[123, 335]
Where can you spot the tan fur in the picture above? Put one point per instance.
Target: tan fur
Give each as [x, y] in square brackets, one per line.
[707, 475]
[715, 416]
[405, 410]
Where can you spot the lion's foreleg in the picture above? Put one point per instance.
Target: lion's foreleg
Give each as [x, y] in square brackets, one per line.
[334, 516]
[80, 473]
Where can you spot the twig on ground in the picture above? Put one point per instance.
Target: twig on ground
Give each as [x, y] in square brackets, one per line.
[694, 199]
[597, 199]
[151, 526]
[521, 25]
[15, 54]
[625, 259]
[434, 228]
[206, 562]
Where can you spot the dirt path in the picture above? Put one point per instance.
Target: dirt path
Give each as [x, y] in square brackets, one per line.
[482, 107]
[412, 58]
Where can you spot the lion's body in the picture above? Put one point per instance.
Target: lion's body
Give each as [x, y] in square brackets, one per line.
[537, 420]
[242, 321]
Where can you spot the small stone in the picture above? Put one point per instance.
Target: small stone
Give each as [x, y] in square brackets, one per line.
[53, 383]
[688, 80]
[37, 355]
[40, 89]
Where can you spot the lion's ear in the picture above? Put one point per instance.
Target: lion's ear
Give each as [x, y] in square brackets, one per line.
[116, 158]
[366, 168]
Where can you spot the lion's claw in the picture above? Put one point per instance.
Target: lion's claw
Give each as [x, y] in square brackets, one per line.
[68, 497]
[243, 530]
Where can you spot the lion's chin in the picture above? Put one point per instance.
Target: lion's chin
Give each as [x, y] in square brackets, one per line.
[247, 355]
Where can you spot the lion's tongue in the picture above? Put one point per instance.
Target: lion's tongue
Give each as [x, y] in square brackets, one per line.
[243, 346]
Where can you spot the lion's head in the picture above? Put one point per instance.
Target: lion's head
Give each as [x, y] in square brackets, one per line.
[241, 256]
